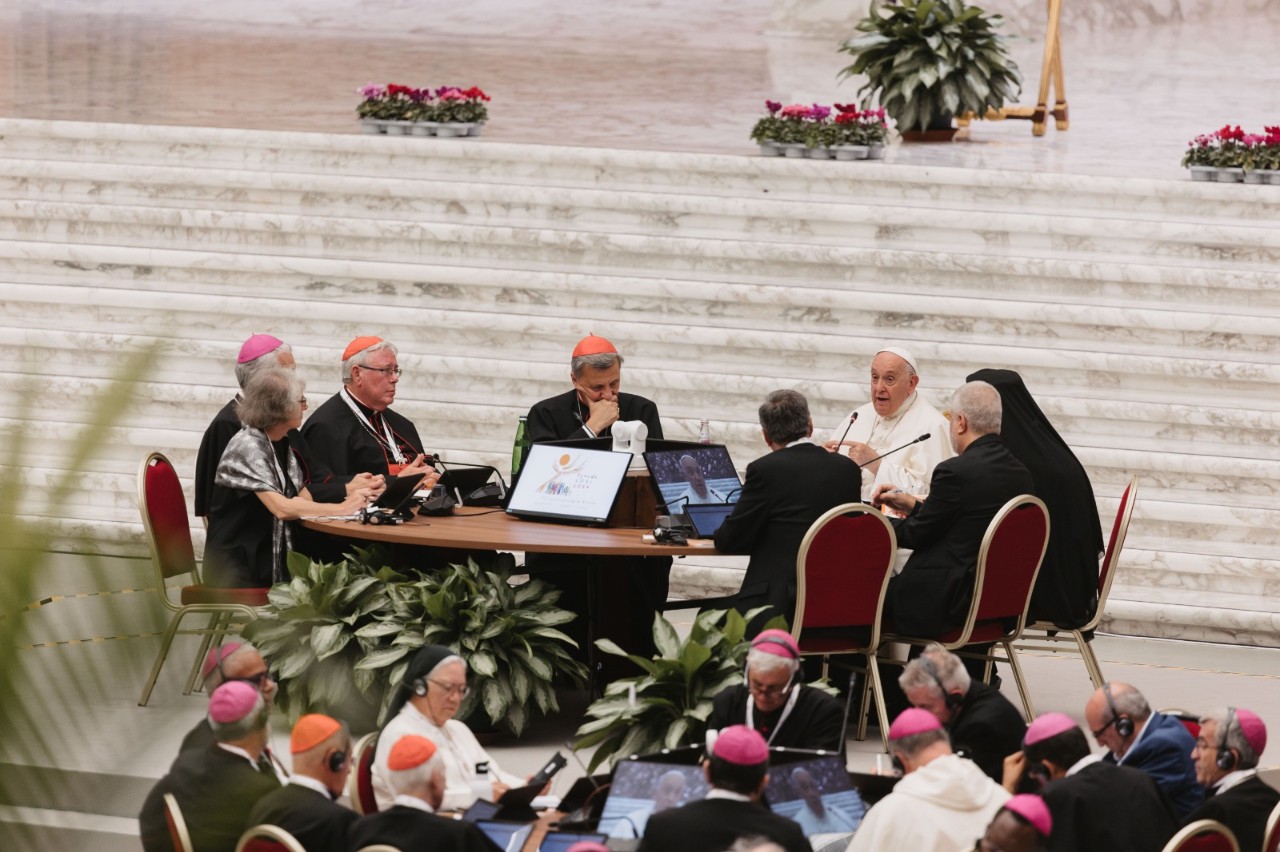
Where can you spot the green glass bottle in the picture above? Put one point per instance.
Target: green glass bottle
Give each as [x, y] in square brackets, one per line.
[521, 446]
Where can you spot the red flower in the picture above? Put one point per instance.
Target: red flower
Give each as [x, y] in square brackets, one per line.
[847, 108]
[1229, 133]
[393, 90]
[847, 118]
[474, 92]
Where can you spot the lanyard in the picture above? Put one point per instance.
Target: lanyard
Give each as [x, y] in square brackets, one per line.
[786, 711]
[387, 440]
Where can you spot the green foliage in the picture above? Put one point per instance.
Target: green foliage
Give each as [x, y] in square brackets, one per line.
[926, 60]
[767, 129]
[343, 633]
[672, 698]
[823, 135]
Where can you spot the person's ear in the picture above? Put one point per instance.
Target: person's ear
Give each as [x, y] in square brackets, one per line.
[706, 770]
[764, 782]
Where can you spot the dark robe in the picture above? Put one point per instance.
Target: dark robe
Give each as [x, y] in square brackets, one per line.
[215, 790]
[1244, 809]
[816, 721]
[944, 532]
[1164, 753]
[564, 416]
[713, 825]
[1066, 591]
[987, 729]
[314, 819]
[1108, 807]
[340, 442]
[242, 549]
[409, 828]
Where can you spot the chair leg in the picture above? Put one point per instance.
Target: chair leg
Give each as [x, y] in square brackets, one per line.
[1090, 660]
[864, 708]
[210, 633]
[1016, 668]
[873, 671]
[160, 657]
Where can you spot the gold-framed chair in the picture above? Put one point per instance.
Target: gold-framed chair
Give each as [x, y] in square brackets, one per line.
[164, 520]
[177, 825]
[360, 779]
[1203, 835]
[268, 838]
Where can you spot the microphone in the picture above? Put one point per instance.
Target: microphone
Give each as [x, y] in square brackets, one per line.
[852, 418]
[732, 492]
[672, 510]
[926, 436]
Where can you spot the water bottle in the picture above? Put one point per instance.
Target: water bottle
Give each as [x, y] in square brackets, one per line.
[704, 432]
[521, 446]
[481, 784]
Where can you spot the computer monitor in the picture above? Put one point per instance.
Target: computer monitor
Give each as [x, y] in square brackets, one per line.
[568, 484]
[706, 518]
[508, 836]
[560, 841]
[688, 475]
[642, 788]
[817, 794]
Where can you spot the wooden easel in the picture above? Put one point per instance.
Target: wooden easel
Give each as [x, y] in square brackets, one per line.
[1050, 72]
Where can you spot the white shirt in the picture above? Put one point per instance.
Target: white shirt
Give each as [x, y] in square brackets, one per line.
[239, 751]
[1082, 763]
[717, 793]
[310, 784]
[413, 802]
[459, 750]
[911, 469]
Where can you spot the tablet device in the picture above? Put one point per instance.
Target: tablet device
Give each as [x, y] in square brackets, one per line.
[399, 491]
[560, 841]
[706, 518]
[688, 476]
[508, 836]
[568, 484]
[816, 793]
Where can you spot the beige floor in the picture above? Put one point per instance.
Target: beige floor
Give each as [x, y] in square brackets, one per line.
[687, 75]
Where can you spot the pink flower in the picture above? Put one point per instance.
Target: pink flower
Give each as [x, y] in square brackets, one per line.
[371, 91]
[795, 111]
[773, 107]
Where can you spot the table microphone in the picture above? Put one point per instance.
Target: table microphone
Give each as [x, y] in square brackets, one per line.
[926, 436]
[435, 459]
[852, 418]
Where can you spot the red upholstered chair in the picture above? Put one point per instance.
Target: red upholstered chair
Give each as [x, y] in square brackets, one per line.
[1046, 636]
[1203, 835]
[177, 825]
[1190, 721]
[1271, 840]
[165, 522]
[360, 779]
[1008, 562]
[379, 847]
[268, 838]
[842, 571]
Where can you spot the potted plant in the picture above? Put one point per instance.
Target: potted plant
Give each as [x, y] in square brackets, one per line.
[820, 132]
[927, 61]
[1199, 155]
[460, 111]
[1268, 156]
[793, 128]
[768, 129]
[668, 705]
[1228, 155]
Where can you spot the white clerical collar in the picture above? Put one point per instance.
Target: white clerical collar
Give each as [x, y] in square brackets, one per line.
[413, 802]
[1141, 732]
[805, 440]
[717, 793]
[1231, 779]
[310, 784]
[239, 751]
[1082, 763]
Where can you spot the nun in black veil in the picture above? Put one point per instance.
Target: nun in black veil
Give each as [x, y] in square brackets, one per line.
[1066, 591]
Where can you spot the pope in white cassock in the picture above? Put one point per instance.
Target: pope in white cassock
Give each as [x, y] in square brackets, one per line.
[895, 415]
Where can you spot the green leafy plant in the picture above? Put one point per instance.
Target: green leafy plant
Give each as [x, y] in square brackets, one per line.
[929, 60]
[668, 705]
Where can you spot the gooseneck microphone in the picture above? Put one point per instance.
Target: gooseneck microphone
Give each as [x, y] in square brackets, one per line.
[435, 459]
[926, 436]
[852, 417]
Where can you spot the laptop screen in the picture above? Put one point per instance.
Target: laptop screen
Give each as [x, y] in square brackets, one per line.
[817, 794]
[568, 484]
[508, 836]
[560, 841]
[683, 477]
[642, 788]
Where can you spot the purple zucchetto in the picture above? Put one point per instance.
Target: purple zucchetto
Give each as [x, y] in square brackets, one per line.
[257, 346]
[232, 701]
[1255, 732]
[1033, 810]
[913, 721]
[1047, 725]
[741, 746]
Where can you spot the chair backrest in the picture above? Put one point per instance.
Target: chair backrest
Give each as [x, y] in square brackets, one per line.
[164, 518]
[268, 838]
[360, 780]
[1008, 562]
[1190, 721]
[1119, 530]
[177, 825]
[843, 568]
[1203, 835]
[1271, 840]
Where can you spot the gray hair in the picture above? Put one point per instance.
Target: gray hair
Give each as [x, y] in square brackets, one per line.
[254, 720]
[271, 398]
[361, 358]
[1128, 701]
[415, 777]
[763, 661]
[599, 361]
[1231, 738]
[979, 402]
[936, 668]
[915, 743]
[784, 416]
[266, 361]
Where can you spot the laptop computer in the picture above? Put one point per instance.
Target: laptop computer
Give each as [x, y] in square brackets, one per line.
[706, 518]
[688, 476]
[508, 836]
[818, 794]
[568, 485]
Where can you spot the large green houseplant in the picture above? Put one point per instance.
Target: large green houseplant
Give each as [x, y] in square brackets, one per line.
[929, 60]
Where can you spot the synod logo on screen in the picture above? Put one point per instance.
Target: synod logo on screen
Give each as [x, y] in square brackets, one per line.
[566, 472]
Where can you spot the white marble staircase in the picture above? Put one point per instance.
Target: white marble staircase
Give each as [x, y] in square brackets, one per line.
[1143, 314]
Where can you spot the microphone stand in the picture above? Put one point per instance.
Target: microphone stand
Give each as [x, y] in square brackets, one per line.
[926, 436]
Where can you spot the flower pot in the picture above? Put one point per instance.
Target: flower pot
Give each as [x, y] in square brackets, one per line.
[819, 153]
[476, 128]
[423, 128]
[795, 150]
[1233, 175]
[875, 152]
[849, 152]
[1203, 172]
[370, 125]
[397, 128]
[453, 128]
[1252, 176]
[770, 149]
[1271, 176]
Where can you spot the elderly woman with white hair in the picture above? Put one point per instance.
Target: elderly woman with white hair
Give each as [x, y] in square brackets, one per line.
[261, 489]
[425, 703]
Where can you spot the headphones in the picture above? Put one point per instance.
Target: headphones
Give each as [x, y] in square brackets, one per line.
[790, 654]
[337, 760]
[419, 686]
[954, 700]
[1124, 724]
[1226, 757]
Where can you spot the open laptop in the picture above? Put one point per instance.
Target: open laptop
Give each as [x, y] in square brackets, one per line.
[643, 787]
[706, 518]
[568, 484]
[699, 480]
[508, 836]
[817, 793]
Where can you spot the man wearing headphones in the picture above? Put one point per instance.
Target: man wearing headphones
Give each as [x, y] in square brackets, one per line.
[306, 807]
[1226, 753]
[774, 702]
[1159, 745]
[984, 726]
[1094, 805]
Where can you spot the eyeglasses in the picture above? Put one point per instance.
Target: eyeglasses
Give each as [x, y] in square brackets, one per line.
[303, 402]
[257, 680]
[768, 691]
[451, 689]
[386, 371]
[1103, 729]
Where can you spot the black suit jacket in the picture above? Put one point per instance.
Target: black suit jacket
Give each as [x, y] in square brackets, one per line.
[1104, 806]
[562, 417]
[215, 790]
[409, 828]
[317, 822]
[944, 533]
[338, 442]
[784, 493]
[988, 729]
[1243, 809]
[712, 825]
